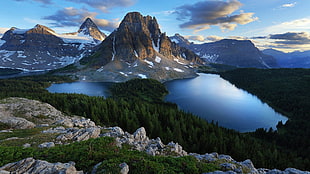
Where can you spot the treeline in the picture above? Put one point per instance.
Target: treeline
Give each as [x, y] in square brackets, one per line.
[286, 90]
[160, 119]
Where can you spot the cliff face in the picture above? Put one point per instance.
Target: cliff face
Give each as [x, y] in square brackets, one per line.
[139, 37]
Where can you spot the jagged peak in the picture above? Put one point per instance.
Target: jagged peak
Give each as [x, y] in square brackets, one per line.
[90, 28]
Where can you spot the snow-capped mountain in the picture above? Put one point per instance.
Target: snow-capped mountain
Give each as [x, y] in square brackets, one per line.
[239, 53]
[290, 60]
[40, 48]
[137, 49]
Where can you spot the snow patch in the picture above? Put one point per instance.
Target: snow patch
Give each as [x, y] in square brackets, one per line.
[149, 62]
[178, 61]
[175, 40]
[123, 74]
[156, 48]
[6, 53]
[157, 59]
[136, 54]
[210, 57]
[100, 69]
[178, 70]
[114, 51]
[76, 38]
[20, 31]
[21, 54]
[142, 76]
[167, 68]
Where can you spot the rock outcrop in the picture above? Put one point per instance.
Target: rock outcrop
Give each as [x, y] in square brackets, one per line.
[30, 165]
[73, 129]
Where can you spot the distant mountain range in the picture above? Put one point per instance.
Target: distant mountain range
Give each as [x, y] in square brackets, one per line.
[41, 49]
[239, 53]
[290, 60]
[137, 48]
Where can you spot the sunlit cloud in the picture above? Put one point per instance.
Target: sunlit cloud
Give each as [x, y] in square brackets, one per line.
[3, 30]
[295, 25]
[70, 17]
[201, 15]
[287, 42]
[289, 5]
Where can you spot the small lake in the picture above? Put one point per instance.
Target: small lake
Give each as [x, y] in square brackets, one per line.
[208, 96]
[213, 98]
[88, 88]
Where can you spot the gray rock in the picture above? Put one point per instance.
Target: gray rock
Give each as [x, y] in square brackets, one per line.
[221, 172]
[27, 145]
[75, 134]
[95, 168]
[30, 165]
[227, 158]
[47, 145]
[140, 134]
[124, 168]
[249, 165]
[228, 166]
[177, 149]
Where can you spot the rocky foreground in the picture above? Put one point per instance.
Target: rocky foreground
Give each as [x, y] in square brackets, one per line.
[20, 113]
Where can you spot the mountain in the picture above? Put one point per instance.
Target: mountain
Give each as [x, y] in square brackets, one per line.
[40, 48]
[290, 60]
[240, 53]
[89, 28]
[137, 49]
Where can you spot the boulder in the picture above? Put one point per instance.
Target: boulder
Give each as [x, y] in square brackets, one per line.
[47, 145]
[124, 168]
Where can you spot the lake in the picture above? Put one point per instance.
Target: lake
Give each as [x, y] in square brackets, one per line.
[207, 96]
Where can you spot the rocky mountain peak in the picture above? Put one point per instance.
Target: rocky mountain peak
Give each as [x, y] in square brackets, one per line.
[138, 47]
[90, 28]
[180, 40]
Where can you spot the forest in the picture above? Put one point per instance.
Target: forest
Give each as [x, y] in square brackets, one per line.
[139, 103]
[287, 91]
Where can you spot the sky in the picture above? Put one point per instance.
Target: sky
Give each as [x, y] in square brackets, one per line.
[279, 24]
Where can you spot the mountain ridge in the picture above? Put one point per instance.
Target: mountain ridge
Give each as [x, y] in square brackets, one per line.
[41, 48]
[239, 53]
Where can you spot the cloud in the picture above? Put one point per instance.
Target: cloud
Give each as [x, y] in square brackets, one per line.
[289, 5]
[302, 24]
[291, 38]
[203, 14]
[199, 38]
[71, 16]
[105, 5]
[214, 38]
[287, 42]
[3, 30]
[41, 1]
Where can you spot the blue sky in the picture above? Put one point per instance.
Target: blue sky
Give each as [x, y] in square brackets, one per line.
[279, 24]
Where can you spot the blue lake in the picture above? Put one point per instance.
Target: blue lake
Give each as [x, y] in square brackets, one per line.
[208, 96]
